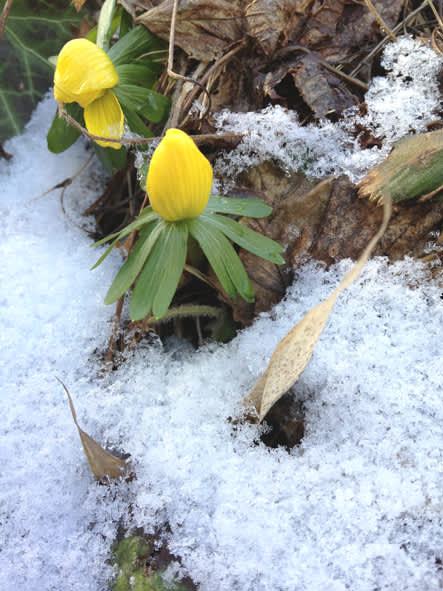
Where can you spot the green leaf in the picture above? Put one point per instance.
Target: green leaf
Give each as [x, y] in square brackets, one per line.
[138, 42]
[173, 262]
[104, 26]
[152, 105]
[125, 23]
[111, 159]
[142, 174]
[132, 267]
[246, 238]
[61, 134]
[159, 278]
[106, 253]
[136, 74]
[33, 33]
[137, 125]
[145, 217]
[252, 208]
[223, 259]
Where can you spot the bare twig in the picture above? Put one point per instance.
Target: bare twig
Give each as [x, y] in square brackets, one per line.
[68, 181]
[198, 139]
[211, 71]
[437, 16]
[380, 21]
[396, 29]
[174, 120]
[4, 16]
[91, 136]
[294, 47]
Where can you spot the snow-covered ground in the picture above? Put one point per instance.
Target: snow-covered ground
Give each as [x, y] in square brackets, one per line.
[357, 506]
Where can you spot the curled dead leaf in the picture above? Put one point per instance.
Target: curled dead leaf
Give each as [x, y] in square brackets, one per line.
[294, 351]
[204, 28]
[103, 464]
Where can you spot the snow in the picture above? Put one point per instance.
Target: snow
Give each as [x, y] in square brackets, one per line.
[358, 505]
[402, 102]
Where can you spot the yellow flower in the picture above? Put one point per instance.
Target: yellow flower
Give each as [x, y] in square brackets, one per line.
[179, 178]
[85, 75]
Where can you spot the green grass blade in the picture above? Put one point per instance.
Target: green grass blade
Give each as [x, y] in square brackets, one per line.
[132, 267]
[256, 243]
[253, 208]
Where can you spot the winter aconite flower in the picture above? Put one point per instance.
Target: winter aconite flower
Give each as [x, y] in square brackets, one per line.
[86, 75]
[178, 184]
[179, 178]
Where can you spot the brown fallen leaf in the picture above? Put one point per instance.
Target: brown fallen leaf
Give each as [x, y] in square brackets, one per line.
[204, 28]
[324, 19]
[321, 90]
[294, 351]
[78, 4]
[102, 463]
[273, 23]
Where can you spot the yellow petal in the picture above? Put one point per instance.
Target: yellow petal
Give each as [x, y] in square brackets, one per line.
[83, 73]
[104, 117]
[179, 178]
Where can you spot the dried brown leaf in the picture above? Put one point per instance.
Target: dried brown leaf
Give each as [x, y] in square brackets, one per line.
[102, 463]
[321, 90]
[294, 351]
[323, 21]
[204, 28]
[274, 22]
[78, 4]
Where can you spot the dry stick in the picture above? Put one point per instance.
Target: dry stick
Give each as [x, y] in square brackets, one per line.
[4, 16]
[437, 16]
[379, 19]
[396, 29]
[220, 62]
[434, 41]
[346, 77]
[68, 181]
[290, 48]
[170, 70]
[199, 139]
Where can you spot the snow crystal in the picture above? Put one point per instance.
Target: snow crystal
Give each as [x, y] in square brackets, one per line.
[358, 505]
[400, 103]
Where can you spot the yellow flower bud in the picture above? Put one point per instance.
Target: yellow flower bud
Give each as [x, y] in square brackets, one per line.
[83, 73]
[179, 178]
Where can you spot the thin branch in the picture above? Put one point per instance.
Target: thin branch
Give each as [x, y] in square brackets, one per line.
[4, 16]
[218, 64]
[175, 75]
[198, 139]
[437, 16]
[349, 78]
[380, 21]
[68, 181]
[396, 29]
